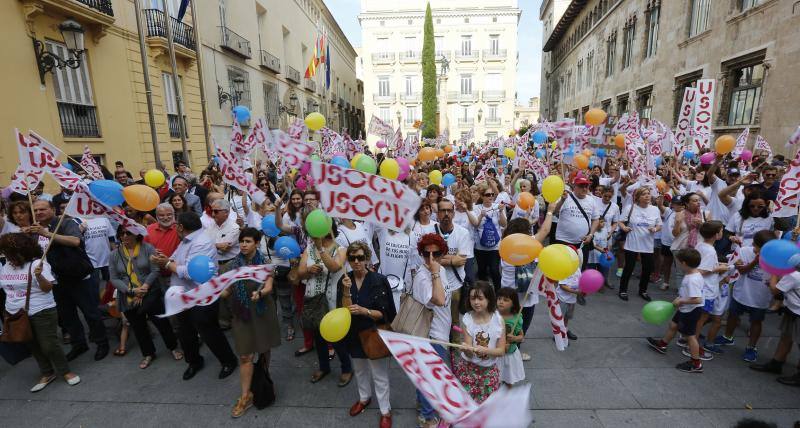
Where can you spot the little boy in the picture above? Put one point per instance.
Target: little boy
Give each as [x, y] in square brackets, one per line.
[690, 306]
[750, 294]
[568, 293]
[715, 294]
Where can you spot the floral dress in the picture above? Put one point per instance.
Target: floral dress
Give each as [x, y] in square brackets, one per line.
[480, 376]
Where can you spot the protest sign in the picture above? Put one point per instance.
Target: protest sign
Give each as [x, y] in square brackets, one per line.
[703, 113]
[379, 127]
[293, 151]
[685, 116]
[786, 203]
[177, 299]
[89, 165]
[233, 174]
[83, 205]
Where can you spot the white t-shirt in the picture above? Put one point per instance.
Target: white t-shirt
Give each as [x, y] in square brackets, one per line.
[609, 181]
[395, 252]
[508, 279]
[572, 283]
[751, 225]
[640, 239]
[790, 285]
[572, 225]
[691, 286]
[493, 215]
[462, 219]
[97, 234]
[458, 242]
[669, 225]
[9, 227]
[601, 237]
[417, 232]
[361, 233]
[718, 210]
[752, 288]
[483, 335]
[15, 283]
[422, 290]
[709, 262]
[532, 215]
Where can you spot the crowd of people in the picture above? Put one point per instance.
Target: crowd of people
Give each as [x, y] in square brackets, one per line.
[695, 230]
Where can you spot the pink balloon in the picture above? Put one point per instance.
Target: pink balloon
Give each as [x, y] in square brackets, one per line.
[301, 183]
[591, 281]
[305, 168]
[773, 270]
[708, 158]
[380, 144]
[746, 155]
[405, 168]
[339, 154]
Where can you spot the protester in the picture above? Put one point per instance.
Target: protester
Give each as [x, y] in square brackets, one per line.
[578, 217]
[641, 225]
[490, 221]
[179, 203]
[180, 186]
[223, 232]
[511, 369]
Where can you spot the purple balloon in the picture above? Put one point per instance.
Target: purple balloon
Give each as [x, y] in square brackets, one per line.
[305, 168]
[708, 158]
[380, 144]
[746, 155]
[405, 168]
[301, 183]
[591, 281]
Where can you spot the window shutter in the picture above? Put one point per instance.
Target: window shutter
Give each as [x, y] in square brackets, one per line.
[71, 85]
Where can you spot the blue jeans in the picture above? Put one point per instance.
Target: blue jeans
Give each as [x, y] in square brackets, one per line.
[470, 270]
[425, 408]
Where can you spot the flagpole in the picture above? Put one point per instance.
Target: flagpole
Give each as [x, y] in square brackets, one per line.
[60, 219]
[176, 81]
[148, 91]
[203, 106]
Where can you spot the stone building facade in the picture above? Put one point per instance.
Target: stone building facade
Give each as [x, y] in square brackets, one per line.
[640, 55]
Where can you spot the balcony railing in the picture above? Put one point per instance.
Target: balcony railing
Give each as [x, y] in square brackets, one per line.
[175, 127]
[310, 85]
[235, 43]
[462, 121]
[409, 56]
[383, 58]
[292, 74]
[384, 98]
[467, 56]
[414, 96]
[78, 120]
[103, 6]
[493, 121]
[459, 96]
[494, 54]
[494, 95]
[442, 53]
[270, 61]
[182, 34]
[341, 102]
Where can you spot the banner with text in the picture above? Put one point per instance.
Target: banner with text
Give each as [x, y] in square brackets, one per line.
[177, 299]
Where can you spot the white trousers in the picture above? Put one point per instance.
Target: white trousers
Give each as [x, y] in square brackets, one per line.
[369, 371]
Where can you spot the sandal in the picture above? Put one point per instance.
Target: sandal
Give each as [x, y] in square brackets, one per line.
[318, 376]
[43, 382]
[303, 351]
[146, 361]
[120, 352]
[289, 334]
[345, 379]
[177, 355]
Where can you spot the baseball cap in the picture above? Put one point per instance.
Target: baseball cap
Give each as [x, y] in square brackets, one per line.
[580, 179]
[734, 171]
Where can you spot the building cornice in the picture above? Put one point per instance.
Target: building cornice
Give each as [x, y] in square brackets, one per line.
[574, 8]
[437, 13]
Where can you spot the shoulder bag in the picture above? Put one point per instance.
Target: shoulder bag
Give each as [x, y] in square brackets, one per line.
[374, 347]
[413, 318]
[17, 327]
[315, 307]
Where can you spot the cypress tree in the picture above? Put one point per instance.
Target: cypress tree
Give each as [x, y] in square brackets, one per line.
[428, 78]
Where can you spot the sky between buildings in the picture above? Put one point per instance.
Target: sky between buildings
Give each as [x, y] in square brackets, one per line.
[529, 39]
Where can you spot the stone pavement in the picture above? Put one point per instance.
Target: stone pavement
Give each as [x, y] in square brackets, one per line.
[607, 378]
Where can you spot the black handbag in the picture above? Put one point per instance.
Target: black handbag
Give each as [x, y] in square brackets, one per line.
[261, 385]
[314, 308]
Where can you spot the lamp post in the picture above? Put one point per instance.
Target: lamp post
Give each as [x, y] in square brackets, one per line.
[399, 118]
[46, 61]
[480, 114]
[234, 96]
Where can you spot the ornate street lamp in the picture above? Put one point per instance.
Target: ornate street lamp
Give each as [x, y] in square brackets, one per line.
[234, 96]
[46, 61]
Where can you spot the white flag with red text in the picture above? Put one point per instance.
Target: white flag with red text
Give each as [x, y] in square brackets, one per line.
[786, 203]
[89, 165]
[177, 299]
[83, 204]
[233, 174]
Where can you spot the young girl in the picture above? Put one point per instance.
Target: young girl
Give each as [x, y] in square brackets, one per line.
[511, 369]
[484, 334]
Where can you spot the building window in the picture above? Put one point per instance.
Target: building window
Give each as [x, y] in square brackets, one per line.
[383, 113]
[611, 48]
[466, 114]
[494, 44]
[606, 106]
[589, 68]
[466, 84]
[383, 86]
[492, 112]
[628, 36]
[411, 46]
[411, 115]
[681, 83]
[235, 73]
[271, 107]
[698, 19]
[584, 110]
[171, 106]
[747, 4]
[651, 30]
[409, 85]
[73, 91]
[644, 102]
[622, 104]
[579, 75]
[466, 45]
[745, 89]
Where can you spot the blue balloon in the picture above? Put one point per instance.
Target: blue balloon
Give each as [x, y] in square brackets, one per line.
[69, 166]
[268, 226]
[505, 161]
[108, 192]
[777, 252]
[340, 161]
[241, 113]
[201, 268]
[448, 180]
[540, 153]
[601, 153]
[688, 154]
[539, 137]
[787, 236]
[591, 163]
[606, 260]
[287, 248]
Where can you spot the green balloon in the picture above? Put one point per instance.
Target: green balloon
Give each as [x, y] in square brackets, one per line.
[318, 223]
[366, 164]
[516, 186]
[315, 157]
[657, 312]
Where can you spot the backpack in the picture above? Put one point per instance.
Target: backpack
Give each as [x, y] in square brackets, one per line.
[523, 276]
[489, 235]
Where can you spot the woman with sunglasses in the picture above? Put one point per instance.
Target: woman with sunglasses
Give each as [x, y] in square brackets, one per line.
[368, 296]
[642, 223]
[487, 254]
[138, 295]
[351, 232]
[321, 266]
[753, 217]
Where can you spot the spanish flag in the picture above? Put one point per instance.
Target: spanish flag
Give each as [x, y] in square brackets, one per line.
[311, 70]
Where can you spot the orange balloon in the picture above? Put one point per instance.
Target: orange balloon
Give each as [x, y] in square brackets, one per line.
[588, 153]
[581, 161]
[725, 144]
[619, 141]
[439, 153]
[525, 201]
[661, 185]
[427, 154]
[595, 117]
[141, 197]
[519, 249]
[448, 148]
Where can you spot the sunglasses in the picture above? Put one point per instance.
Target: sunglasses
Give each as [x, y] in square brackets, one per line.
[357, 258]
[219, 211]
[446, 210]
[759, 207]
[435, 254]
[127, 233]
[488, 195]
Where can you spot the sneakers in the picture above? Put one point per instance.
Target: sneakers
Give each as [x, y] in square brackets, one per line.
[750, 354]
[772, 366]
[705, 356]
[689, 367]
[526, 356]
[571, 335]
[619, 272]
[793, 380]
[664, 286]
[682, 343]
[715, 349]
[724, 341]
[656, 344]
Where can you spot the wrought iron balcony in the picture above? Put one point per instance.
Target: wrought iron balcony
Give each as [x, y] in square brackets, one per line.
[409, 56]
[384, 98]
[443, 53]
[466, 121]
[414, 96]
[494, 95]
[235, 43]
[494, 54]
[460, 96]
[341, 102]
[78, 120]
[270, 61]
[310, 85]
[471, 55]
[175, 127]
[383, 58]
[182, 34]
[103, 6]
[493, 121]
[292, 74]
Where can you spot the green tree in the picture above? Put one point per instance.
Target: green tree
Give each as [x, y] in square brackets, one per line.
[428, 78]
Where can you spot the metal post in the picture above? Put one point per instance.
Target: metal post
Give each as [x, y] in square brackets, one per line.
[177, 84]
[198, 50]
[148, 91]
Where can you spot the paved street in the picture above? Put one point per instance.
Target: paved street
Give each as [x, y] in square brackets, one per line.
[607, 378]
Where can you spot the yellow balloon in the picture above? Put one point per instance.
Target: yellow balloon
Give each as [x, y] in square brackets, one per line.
[390, 169]
[315, 121]
[141, 197]
[154, 178]
[595, 117]
[554, 145]
[509, 153]
[435, 177]
[557, 261]
[354, 161]
[335, 325]
[552, 188]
